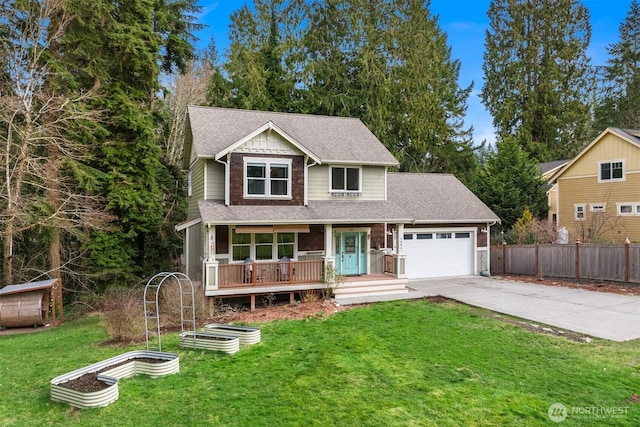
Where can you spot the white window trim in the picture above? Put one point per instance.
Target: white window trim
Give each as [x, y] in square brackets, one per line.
[612, 179]
[267, 161]
[597, 207]
[252, 248]
[345, 167]
[575, 211]
[620, 205]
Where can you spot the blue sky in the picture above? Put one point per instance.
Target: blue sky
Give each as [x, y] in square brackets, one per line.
[464, 22]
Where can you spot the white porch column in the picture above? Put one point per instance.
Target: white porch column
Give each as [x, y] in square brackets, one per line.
[485, 269]
[329, 256]
[399, 235]
[210, 267]
[399, 258]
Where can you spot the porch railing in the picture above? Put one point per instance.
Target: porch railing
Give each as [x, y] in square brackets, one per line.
[269, 273]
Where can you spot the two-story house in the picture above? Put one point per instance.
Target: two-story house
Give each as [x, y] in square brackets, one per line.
[596, 195]
[277, 200]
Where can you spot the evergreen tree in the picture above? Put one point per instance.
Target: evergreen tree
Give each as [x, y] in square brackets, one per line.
[329, 63]
[537, 74]
[429, 104]
[259, 62]
[511, 182]
[618, 106]
[388, 63]
[121, 50]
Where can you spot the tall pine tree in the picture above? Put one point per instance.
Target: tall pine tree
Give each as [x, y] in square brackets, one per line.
[260, 65]
[537, 74]
[510, 182]
[618, 106]
[121, 49]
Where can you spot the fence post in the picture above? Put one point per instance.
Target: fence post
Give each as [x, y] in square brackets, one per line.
[537, 261]
[504, 257]
[626, 261]
[577, 259]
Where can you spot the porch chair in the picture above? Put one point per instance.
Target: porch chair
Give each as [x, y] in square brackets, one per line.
[285, 262]
[248, 272]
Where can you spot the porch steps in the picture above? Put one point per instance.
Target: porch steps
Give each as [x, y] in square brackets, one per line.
[354, 289]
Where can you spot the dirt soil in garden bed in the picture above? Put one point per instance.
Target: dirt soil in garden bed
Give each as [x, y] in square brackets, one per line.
[89, 382]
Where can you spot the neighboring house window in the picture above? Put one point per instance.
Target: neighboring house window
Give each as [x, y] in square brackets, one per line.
[625, 209]
[638, 209]
[579, 212]
[612, 171]
[267, 178]
[345, 180]
[262, 246]
[598, 207]
[424, 236]
[443, 235]
[463, 235]
[408, 236]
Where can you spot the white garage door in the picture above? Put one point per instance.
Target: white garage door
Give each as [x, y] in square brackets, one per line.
[434, 253]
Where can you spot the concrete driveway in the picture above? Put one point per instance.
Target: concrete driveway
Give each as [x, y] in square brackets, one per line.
[597, 314]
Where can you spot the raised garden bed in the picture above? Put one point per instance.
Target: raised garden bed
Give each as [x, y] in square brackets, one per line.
[210, 341]
[97, 385]
[248, 335]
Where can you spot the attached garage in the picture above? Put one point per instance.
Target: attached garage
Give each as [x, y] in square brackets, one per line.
[439, 253]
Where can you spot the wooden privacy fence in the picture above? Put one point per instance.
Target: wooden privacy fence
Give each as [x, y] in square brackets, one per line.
[590, 261]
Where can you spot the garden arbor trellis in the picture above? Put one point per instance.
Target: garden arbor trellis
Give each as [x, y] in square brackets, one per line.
[152, 304]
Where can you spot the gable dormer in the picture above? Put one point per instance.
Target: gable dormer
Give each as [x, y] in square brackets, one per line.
[267, 167]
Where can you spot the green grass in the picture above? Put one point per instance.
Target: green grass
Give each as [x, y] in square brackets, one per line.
[391, 364]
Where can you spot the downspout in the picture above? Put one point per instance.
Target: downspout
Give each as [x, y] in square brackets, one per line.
[306, 179]
[226, 180]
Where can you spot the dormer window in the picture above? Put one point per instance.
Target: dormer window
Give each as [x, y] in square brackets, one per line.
[345, 180]
[611, 171]
[269, 178]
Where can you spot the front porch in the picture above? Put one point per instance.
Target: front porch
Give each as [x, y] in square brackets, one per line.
[294, 277]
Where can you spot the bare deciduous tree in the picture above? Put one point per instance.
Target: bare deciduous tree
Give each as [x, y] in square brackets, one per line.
[40, 159]
[185, 89]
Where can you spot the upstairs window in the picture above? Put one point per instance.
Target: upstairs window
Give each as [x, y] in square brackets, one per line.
[345, 180]
[612, 171]
[579, 211]
[267, 178]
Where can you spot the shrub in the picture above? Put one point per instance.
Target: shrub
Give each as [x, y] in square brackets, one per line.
[331, 281]
[170, 303]
[529, 230]
[123, 314]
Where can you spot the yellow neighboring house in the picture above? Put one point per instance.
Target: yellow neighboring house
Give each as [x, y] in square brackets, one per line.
[596, 195]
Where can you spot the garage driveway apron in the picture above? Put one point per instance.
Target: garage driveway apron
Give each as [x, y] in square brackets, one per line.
[597, 314]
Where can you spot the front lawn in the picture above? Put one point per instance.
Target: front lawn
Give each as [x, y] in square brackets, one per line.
[404, 363]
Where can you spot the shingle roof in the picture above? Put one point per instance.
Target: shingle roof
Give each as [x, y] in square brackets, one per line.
[434, 197]
[548, 166]
[345, 211]
[419, 198]
[331, 139]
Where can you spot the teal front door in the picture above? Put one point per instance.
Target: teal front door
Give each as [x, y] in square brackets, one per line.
[351, 253]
